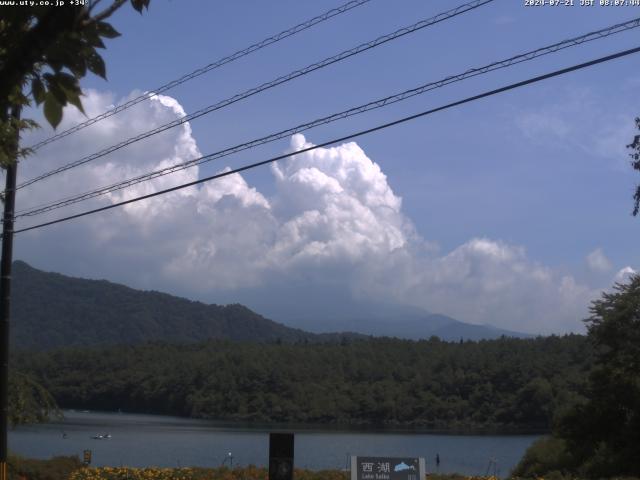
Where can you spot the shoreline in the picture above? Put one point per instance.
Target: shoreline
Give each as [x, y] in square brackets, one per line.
[248, 425]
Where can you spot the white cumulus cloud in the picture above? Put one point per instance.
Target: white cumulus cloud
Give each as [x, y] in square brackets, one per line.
[598, 261]
[334, 228]
[624, 274]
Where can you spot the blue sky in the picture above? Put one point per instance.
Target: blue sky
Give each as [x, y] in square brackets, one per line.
[481, 180]
[541, 172]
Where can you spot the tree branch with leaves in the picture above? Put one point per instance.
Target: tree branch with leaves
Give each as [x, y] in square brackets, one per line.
[635, 156]
[44, 53]
[29, 401]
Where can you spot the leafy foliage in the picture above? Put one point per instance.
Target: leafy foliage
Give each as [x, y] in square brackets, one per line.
[600, 436]
[604, 432]
[547, 455]
[46, 51]
[241, 473]
[635, 156]
[497, 384]
[56, 468]
[222, 473]
[70, 468]
[29, 402]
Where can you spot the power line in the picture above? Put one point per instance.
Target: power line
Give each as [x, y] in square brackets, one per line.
[265, 86]
[530, 55]
[347, 137]
[207, 68]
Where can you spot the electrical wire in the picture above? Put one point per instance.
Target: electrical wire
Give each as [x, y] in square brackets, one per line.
[523, 57]
[344, 138]
[207, 68]
[268, 85]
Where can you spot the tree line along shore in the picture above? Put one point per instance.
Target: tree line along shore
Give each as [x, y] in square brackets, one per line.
[500, 385]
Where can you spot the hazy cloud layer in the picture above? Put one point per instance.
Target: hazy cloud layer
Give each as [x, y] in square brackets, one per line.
[598, 262]
[333, 229]
[584, 122]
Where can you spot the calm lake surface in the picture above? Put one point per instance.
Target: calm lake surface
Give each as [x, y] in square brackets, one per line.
[152, 440]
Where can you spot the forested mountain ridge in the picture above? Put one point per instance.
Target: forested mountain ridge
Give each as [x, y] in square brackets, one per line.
[494, 384]
[410, 326]
[51, 310]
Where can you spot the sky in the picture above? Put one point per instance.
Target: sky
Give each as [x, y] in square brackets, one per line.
[514, 210]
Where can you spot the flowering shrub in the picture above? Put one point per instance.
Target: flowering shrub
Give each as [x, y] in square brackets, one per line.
[245, 473]
[56, 468]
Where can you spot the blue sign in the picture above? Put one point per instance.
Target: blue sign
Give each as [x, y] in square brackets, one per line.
[387, 468]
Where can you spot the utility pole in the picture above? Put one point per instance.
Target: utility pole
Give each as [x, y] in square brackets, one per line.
[5, 290]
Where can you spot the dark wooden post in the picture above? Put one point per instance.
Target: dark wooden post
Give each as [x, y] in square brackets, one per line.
[5, 297]
[281, 456]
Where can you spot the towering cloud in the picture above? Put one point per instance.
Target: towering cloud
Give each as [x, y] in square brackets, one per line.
[333, 229]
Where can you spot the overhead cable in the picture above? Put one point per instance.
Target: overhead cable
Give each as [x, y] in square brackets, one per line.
[207, 68]
[341, 139]
[265, 86]
[523, 57]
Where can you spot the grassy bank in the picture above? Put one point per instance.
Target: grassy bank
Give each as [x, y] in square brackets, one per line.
[70, 468]
[246, 473]
[57, 468]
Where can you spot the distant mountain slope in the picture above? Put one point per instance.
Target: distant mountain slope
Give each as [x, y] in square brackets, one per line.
[407, 323]
[51, 310]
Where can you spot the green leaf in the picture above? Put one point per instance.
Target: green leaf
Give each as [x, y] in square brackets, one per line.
[56, 89]
[73, 97]
[37, 88]
[52, 110]
[92, 37]
[76, 102]
[140, 4]
[78, 67]
[28, 124]
[68, 82]
[65, 88]
[137, 4]
[107, 31]
[96, 65]
[67, 52]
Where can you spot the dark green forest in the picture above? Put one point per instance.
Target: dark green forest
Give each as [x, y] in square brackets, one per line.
[600, 436]
[78, 312]
[500, 384]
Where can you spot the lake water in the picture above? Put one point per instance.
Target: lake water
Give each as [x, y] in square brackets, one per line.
[152, 440]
